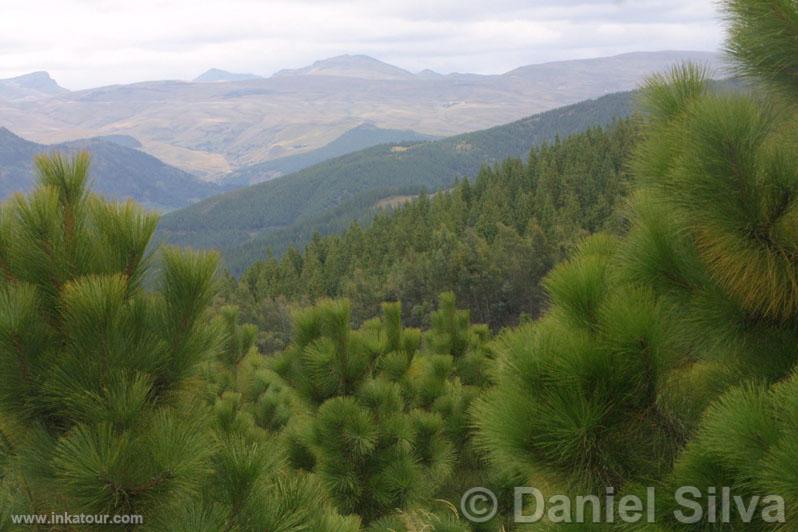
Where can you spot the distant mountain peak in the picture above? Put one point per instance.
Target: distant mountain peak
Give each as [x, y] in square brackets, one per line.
[9, 137]
[36, 80]
[350, 66]
[429, 74]
[350, 59]
[32, 85]
[217, 74]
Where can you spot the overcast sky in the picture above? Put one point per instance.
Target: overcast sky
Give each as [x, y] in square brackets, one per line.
[88, 43]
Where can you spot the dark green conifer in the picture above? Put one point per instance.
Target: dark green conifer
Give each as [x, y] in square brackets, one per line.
[98, 410]
[666, 357]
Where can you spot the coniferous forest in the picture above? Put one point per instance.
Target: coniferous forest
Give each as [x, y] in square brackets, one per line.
[489, 241]
[615, 314]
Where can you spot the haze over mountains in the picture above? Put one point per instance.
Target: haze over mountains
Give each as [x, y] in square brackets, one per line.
[118, 171]
[224, 122]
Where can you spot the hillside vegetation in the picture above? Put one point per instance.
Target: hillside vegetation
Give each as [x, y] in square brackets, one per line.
[327, 197]
[489, 241]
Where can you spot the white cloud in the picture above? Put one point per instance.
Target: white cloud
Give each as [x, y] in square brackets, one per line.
[85, 43]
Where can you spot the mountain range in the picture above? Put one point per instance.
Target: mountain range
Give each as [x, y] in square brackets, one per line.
[224, 122]
[118, 171]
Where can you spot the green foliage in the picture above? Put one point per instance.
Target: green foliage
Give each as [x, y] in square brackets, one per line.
[581, 379]
[440, 521]
[762, 36]
[746, 443]
[373, 419]
[489, 241]
[667, 357]
[251, 486]
[95, 412]
[735, 186]
[373, 428]
[104, 409]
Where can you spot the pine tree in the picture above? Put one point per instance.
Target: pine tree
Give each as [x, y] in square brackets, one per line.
[250, 486]
[668, 355]
[372, 451]
[122, 400]
[378, 414]
[762, 37]
[96, 410]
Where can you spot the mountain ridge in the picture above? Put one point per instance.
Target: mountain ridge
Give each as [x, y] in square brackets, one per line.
[212, 129]
[671, 56]
[31, 86]
[216, 75]
[118, 172]
[357, 66]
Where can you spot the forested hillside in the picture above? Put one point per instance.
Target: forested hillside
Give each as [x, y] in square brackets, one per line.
[327, 197]
[489, 240]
